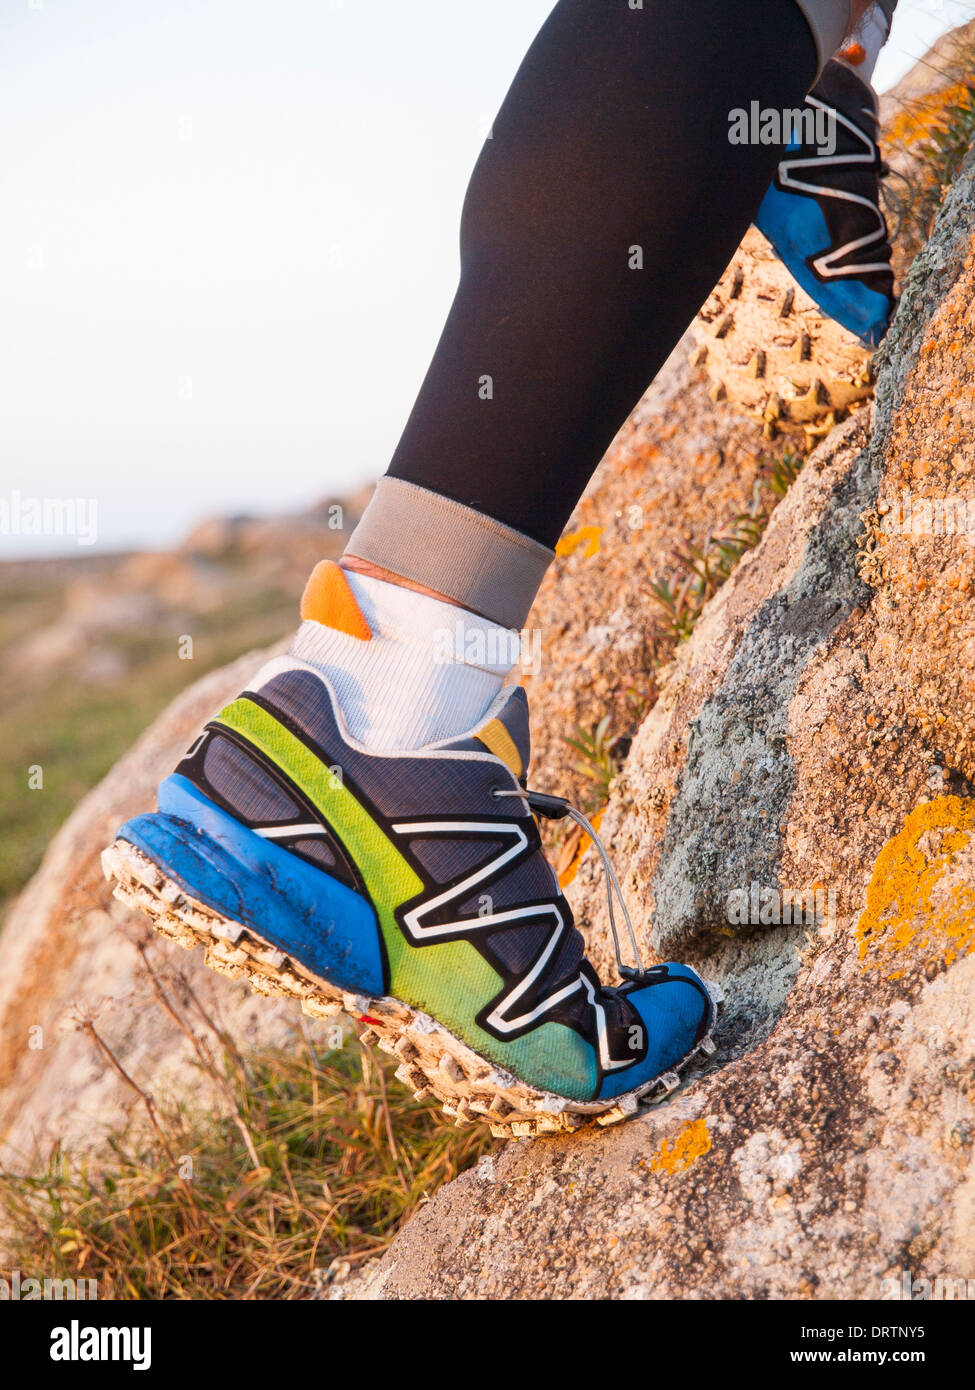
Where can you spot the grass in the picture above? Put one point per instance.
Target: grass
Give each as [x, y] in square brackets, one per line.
[77, 730]
[597, 762]
[936, 131]
[317, 1161]
[699, 571]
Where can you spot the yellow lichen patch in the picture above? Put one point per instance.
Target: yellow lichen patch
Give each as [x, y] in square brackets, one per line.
[586, 535]
[912, 903]
[677, 1154]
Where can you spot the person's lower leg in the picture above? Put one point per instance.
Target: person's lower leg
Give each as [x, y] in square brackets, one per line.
[600, 215]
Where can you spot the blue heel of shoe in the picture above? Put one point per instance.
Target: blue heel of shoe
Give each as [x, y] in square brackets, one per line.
[290, 904]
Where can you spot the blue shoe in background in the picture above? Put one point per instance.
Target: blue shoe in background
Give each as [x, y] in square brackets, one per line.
[822, 214]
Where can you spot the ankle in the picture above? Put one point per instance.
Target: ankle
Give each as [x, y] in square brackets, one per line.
[355, 565]
[417, 539]
[407, 669]
[864, 42]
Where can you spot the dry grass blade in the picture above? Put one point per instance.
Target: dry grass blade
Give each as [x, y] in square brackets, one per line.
[181, 1210]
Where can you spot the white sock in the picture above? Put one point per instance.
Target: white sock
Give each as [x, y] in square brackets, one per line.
[870, 35]
[429, 672]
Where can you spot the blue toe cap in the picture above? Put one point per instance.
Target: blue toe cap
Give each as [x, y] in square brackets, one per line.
[677, 1012]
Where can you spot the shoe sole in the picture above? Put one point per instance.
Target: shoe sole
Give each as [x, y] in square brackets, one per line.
[433, 1061]
[771, 353]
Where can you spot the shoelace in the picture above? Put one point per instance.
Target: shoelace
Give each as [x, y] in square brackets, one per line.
[557, 808]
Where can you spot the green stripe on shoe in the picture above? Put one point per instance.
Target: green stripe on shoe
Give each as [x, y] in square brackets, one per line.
[449, 980]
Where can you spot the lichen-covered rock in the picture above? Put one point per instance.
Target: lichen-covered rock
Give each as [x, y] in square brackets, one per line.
[813, 744]
[676, 473]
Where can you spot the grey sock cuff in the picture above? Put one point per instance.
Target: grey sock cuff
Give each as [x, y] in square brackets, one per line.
[829, 21]
[454, 550]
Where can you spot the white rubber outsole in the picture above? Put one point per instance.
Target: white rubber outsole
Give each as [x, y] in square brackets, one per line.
[433, 1061]
[773, 354]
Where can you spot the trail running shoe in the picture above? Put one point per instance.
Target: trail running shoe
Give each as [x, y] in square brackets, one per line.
[411, 891]
[822, 213]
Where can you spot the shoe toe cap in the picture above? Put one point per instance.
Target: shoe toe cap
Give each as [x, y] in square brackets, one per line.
[677, 1012]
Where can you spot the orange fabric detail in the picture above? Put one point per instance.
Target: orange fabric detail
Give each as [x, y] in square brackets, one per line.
[854, 54]
[329, 600]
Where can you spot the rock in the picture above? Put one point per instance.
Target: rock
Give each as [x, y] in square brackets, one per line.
[69, 952]
[915, 116]
[827, 1149]
[814, 738]
[946, 62]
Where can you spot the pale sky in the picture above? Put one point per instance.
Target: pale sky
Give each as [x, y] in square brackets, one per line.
[229, 239]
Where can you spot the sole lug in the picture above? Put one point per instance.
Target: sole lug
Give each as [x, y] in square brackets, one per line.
[433, 1062]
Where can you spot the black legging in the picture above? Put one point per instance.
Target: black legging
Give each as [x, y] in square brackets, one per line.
[611, 149]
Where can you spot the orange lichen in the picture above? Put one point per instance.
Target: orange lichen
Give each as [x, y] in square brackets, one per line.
[567, 875]
[677, 1154]
[910, 906]
[588, 535]
[928, 115]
